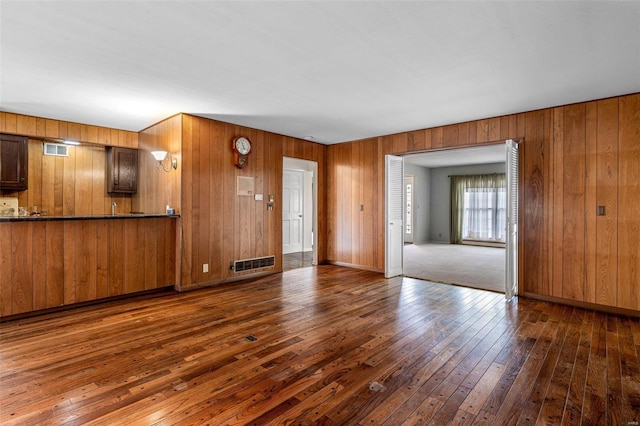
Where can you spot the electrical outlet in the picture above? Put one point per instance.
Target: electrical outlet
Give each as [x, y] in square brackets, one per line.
[205, 267]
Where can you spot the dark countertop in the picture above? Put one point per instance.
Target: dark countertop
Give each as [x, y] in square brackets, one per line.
[87, 217]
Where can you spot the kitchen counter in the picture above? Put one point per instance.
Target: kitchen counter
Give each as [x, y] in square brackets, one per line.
[88, 217]
[48, 262]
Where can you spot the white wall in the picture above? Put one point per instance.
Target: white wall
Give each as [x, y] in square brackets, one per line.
[440, 195]
[422, 213]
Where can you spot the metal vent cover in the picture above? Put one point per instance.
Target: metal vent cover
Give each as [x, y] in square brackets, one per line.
[255, 263]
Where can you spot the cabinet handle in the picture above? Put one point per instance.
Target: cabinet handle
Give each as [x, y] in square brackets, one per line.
[21, 179]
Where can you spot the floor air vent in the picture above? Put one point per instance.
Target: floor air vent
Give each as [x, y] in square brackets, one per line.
[257, 263]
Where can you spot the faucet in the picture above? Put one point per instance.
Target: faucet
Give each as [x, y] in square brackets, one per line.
[113, 208]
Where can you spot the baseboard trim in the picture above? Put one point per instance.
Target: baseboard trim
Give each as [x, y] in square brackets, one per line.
[354, 266]
[228, 280]
[584, 305]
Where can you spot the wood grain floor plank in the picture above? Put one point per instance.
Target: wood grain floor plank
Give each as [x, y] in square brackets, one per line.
[320, 345]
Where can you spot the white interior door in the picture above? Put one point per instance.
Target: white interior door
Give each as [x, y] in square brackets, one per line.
[292, 211]
[511, 270]
[394, 175]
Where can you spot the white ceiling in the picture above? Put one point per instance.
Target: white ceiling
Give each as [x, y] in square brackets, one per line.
[337, 71]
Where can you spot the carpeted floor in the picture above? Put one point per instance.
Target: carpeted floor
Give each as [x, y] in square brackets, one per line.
[471, 266]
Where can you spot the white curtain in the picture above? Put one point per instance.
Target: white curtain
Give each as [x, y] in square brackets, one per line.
[478, 208]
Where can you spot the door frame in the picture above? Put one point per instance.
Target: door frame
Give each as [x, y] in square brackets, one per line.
[309, 166]
[513, 260]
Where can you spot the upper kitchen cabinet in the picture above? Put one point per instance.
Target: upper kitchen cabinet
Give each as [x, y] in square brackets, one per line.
[13, 162]
[122, 170]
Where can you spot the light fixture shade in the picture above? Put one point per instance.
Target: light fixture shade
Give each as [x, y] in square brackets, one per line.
[159, 155]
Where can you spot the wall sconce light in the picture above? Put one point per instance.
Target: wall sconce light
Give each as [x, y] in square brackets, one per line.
[160, 156]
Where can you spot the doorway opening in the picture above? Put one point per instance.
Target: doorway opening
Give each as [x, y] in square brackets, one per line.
[431, 255]
[299, 213]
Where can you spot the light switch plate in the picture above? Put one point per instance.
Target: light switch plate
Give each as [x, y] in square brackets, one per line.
[258, 197]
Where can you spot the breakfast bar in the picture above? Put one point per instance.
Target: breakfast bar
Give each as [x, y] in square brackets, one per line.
[53, 261]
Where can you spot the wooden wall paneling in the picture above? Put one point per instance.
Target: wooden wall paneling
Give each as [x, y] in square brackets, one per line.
[102, 259]
[116, 266]
[493, 129]
[346, 195]
[47, 165]
[548, 194]
[482, 131]
[133, 245]
[216, 201]
[170, 251]
[399, 143]
[229, 231]
[331, 206]
[276, 152]
[100, 200]
[153, 235]
[54, 247]
[504, 128]
[338, 153]
[89, 133]
[243, 225]
[58, 185]
[83, 191]
[574, 202]
[51, 129]
[63, 127]
[463, 134]
[26, 125]
[104, 136]
[69, 184]
[532, 197]
[513, 127]
[369, 216]
[198, 185]
[35, 191]
[22, 267]
[86, 260]
[355, 200]
[591, 125]
[6, 268]
[628, 189]
[606, 271]
[473, 132]
[10, 123]
[38, 278]
[258, 213]
[69, 259]
[437, 137]
[74, 132]
[321, 153]
[380, 171]
[558, 201]
[450, 136]
[186, 255]
[416, 141]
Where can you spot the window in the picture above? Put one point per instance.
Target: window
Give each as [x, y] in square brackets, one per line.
[478, 208]
[485, 215]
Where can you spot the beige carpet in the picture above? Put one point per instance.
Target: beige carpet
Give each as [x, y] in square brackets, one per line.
[471, 266]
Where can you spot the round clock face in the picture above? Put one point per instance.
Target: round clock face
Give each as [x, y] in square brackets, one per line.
[242, 145]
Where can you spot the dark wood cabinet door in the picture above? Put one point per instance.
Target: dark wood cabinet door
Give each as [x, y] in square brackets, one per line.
[122, 170]
[13, 162]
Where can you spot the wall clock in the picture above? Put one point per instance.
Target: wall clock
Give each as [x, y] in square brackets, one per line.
[241, 150]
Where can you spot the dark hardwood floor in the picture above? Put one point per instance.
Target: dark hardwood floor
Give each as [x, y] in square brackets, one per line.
[321, 345]
[297, 260]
